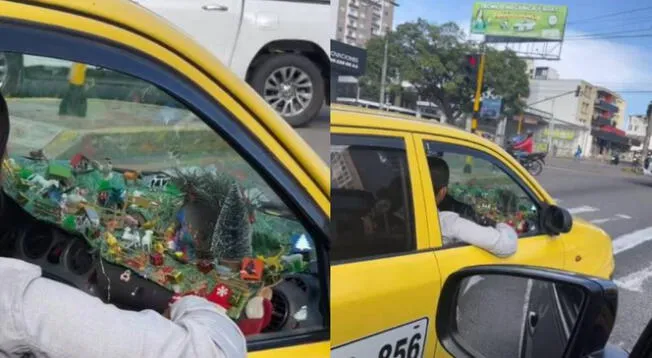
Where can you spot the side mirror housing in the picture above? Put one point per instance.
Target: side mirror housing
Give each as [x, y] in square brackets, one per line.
[517, 311]
[556, 220]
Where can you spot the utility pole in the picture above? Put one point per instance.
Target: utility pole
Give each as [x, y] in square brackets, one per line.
[648, 132]
[551, 127]
[383, 75]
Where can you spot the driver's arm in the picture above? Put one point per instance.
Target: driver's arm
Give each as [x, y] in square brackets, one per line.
[61, 321]
[501, 241]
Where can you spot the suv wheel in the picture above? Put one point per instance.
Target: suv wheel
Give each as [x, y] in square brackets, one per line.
[292, 85]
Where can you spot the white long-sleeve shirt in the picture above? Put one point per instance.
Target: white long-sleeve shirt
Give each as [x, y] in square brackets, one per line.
[501, 241]
[52, 320]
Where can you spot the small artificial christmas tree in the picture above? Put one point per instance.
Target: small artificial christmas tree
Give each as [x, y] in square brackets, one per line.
[231, 238]
[205, 195]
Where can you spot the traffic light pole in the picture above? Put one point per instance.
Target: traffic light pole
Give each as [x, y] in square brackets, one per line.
[478, 94]
[476, 108]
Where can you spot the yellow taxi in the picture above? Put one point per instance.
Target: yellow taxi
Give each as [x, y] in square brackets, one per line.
[388, 261]
[129, 139]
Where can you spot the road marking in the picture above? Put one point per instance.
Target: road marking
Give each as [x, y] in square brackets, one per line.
[633, 239]
[614, 218]
[635, 280]
[558, 201]
[582, 209]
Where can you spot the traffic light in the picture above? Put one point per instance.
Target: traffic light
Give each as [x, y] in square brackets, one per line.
[471, 66]
[577, 91]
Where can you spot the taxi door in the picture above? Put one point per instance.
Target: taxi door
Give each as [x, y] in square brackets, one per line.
[489, 175]
[384, 281]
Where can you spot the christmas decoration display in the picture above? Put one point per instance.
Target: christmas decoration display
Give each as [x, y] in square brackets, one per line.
[498, 203]
[193, 231]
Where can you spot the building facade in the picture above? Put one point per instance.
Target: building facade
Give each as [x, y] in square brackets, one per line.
[360, 20]
[572, 114]
[637, 126]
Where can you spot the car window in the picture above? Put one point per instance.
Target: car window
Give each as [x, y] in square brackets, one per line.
[480, 189]
[372, 211]
[154, 189]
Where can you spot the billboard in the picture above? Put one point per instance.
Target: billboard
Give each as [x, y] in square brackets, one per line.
[525, 22]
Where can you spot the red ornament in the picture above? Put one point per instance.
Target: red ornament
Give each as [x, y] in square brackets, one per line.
[221, 295]
[252, 269]
[204, 266]
[156, 259]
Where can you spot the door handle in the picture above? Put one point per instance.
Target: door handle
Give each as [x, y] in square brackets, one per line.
[215, 7]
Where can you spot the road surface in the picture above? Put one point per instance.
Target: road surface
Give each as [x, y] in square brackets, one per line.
[621, 204]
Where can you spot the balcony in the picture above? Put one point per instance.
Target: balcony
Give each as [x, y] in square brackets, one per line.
[603, 105]
[601, 121]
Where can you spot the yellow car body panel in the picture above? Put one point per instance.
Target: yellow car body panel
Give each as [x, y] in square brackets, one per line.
[586, 241]
[131, 26]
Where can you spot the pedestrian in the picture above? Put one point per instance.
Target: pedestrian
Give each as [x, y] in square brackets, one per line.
[43, 318]
[578, 153]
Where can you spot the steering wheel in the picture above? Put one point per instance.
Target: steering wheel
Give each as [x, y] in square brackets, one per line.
[68, 258]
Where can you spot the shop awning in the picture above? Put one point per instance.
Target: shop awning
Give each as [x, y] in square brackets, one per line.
[610, 137]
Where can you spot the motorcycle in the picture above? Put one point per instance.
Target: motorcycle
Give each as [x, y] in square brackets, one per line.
[533, 162]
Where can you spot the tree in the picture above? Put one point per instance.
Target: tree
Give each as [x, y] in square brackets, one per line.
[370, 82]
[431, 58]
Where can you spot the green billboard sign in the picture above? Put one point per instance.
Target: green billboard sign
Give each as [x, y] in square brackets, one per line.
[519, 21]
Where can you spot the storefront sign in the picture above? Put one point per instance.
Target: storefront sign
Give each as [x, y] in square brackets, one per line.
[491, 108]
[557, 133]
[347, 59]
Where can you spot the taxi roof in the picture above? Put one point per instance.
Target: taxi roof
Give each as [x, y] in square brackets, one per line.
[350, 116]
[133, 17]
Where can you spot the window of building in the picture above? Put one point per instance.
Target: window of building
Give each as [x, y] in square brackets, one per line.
[372, 212]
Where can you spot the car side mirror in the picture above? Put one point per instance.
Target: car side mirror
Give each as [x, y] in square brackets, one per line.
[517, 311]
[556, 220]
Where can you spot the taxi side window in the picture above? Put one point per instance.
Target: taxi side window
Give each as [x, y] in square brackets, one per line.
[372, 212]
[480, 189]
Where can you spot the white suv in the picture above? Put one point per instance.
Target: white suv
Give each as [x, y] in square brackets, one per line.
[280, 47]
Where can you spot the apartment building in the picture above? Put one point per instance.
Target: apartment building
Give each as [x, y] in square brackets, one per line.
[360, 20]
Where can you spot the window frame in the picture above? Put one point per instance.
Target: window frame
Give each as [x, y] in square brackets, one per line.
[383, 142]
[459, 149]
[36, 39]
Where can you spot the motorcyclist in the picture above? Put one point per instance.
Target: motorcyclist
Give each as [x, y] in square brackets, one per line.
[526, 146]
[42, 318]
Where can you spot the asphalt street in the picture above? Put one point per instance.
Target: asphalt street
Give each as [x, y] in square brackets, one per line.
[621, 204]
[317, 134]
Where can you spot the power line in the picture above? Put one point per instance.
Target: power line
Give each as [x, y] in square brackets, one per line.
[590, 35]
[611, 15]
[610, 37]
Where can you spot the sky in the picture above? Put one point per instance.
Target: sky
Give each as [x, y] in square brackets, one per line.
[620, 64]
